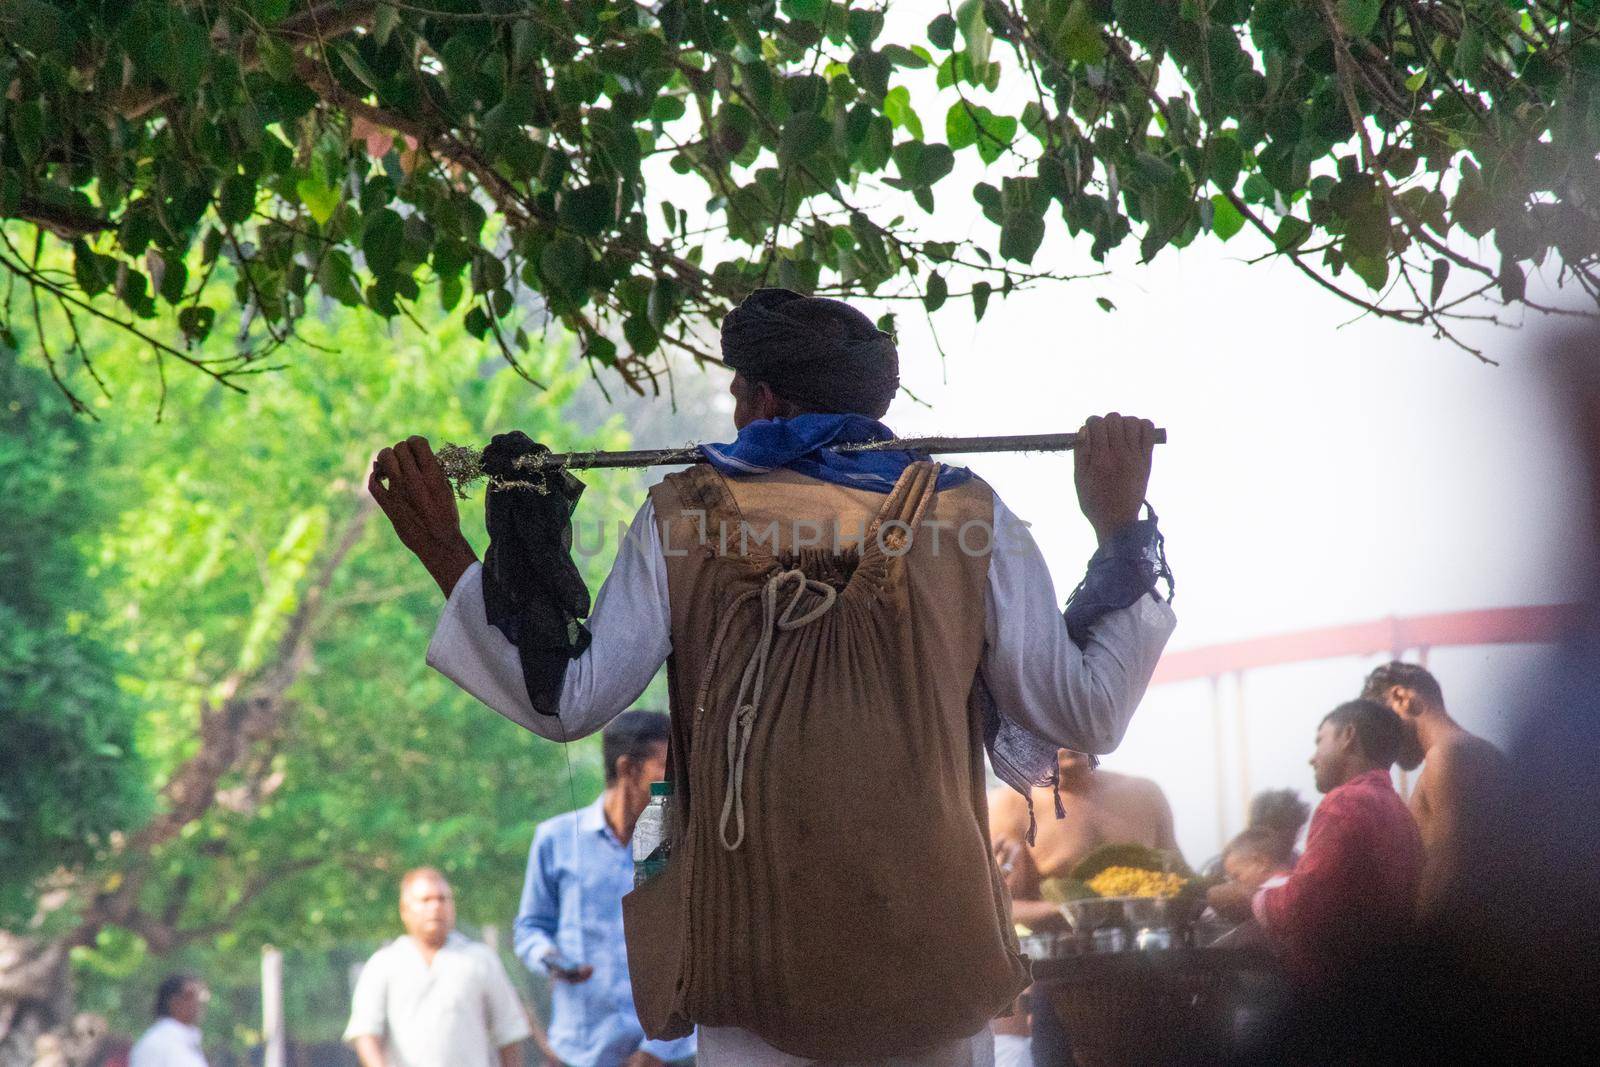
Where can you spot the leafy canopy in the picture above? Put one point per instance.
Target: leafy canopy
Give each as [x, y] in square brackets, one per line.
[641, 166]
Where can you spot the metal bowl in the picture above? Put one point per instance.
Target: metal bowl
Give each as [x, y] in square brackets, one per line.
[1093, 913]
[1171, 913]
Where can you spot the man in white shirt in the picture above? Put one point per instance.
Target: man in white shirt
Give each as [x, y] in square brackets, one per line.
[433, 998]
[174, 1039]
[1056, 687]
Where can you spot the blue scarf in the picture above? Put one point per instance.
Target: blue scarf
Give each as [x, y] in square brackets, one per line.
[801, 444]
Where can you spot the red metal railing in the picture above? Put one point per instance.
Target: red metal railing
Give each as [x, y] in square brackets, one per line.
[1537, 624]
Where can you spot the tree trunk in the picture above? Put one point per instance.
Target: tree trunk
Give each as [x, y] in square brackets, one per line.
[35, 996]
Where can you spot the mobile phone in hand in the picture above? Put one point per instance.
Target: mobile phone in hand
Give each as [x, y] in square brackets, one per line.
[561, 967]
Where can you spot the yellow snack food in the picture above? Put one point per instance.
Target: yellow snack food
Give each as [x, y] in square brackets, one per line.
[1136, 882]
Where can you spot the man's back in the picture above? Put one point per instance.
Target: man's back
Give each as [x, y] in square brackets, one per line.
[1111, 808]
[1115, 809]
[1463, 783]
[796, 738]
[168, 1043]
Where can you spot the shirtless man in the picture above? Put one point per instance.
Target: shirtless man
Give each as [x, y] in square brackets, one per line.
[1463, 776]
[1102, 807]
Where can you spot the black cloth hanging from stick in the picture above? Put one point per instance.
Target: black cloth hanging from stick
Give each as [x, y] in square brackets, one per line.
[532, 591]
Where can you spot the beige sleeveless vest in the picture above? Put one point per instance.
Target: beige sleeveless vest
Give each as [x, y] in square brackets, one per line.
[831, 885]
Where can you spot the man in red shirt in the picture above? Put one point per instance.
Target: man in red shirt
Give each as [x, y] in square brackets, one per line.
[1354, 890]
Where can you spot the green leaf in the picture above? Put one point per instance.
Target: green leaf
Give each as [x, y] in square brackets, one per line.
[1020, 237]
[181, 50]
[196, 322]
[935, 293]
[276, 57]
[1227, 159]
[383, 240]
[995, 134]
[335, 276]
[1358, 17]
[237, 198]
[1513, 282]
[942, 32]
[663, 302]
[1441, 274]
[358, 66]
[805, 10]
[321, 200]
[384, 21]
[975, 30]
[802, 135]
[902, 56]
[897, 109]
[980, 299]
[488, 272]
[1374, 270]
[937, 161]
[174, 279]
[92, 270]
[1291, 234]
[564, 262]
[588, 210]
[960, 131]
[1225, 218]
[1417, 80]
[1079, 37]
[27, 129]
[1469, 52]
[1105, 304]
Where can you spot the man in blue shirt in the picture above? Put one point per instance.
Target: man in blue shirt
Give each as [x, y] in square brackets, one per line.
[570, 922]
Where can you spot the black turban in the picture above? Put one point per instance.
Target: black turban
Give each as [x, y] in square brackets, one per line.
[819, 354]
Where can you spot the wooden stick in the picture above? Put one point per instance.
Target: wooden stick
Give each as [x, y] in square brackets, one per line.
[658, 457]
[464, 465]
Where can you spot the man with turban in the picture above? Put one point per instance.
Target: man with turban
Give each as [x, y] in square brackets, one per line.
[846, 635]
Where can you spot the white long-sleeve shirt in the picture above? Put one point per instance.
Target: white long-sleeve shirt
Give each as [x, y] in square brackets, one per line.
[1075, 698]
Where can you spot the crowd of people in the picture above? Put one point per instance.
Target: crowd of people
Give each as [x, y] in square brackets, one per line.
[1370, 866]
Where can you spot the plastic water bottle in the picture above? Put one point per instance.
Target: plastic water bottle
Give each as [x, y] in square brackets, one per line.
[650, 841]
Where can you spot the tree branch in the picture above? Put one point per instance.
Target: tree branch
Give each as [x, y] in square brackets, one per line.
[251, 710]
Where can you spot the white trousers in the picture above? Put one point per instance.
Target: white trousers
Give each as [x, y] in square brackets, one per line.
[730, 1046]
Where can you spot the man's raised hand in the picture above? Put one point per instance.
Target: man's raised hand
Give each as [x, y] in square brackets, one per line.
[1112, 467]
[410, 487]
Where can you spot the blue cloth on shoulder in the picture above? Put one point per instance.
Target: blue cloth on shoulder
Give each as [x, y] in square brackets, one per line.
[804, 444]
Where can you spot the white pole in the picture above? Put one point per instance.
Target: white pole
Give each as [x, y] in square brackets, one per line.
[272, 1007]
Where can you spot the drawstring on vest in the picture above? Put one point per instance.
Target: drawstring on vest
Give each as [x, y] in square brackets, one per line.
[751, 683]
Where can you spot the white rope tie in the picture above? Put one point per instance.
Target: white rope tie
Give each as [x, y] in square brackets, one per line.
[752, 682]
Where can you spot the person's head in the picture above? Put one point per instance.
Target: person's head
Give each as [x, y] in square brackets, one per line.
[1253, 856]
[1282, 813]
[793, 355]
[427, 906]
[1411, 693]
[1354, 738]
[1073, 767]
[182, 997]
[634, 747]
